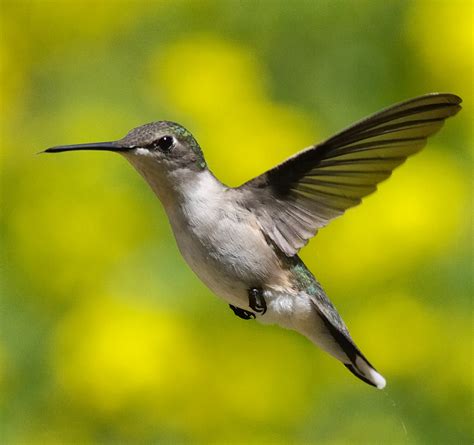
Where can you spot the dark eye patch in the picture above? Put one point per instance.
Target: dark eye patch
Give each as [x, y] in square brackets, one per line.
[164, 143]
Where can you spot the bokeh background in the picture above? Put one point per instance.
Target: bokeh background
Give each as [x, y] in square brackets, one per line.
[107, 336]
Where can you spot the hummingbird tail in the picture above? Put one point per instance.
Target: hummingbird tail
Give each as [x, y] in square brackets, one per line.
[352, 358]
[333, 336]
[366, 372]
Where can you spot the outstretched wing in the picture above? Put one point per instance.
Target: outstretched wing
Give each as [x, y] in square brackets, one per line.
[296, 198]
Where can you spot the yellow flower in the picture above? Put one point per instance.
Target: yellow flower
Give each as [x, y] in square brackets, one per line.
[203, 75]
[412, 340]
[110, 354]
[442, 32]
[146, 369]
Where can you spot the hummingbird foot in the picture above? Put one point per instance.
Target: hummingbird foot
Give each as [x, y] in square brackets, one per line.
[256, 300]
[241, 313]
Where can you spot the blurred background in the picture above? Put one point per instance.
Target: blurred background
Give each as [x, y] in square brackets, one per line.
[107, 336]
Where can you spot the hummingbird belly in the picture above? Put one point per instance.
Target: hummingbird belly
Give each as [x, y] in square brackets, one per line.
[228, 252]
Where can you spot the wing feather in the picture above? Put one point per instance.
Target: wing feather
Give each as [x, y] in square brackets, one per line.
[301, 195]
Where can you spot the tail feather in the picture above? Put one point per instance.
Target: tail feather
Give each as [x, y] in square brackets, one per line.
[354, 371]
[339, 343]
[366, 372]
[358, 365]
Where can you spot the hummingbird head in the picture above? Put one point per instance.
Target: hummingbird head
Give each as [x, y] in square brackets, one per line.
[164, 153]
[160, 146]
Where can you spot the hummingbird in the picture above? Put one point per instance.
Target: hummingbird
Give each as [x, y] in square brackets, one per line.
[243, 242]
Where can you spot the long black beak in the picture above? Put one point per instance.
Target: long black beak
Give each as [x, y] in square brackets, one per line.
[104, 146]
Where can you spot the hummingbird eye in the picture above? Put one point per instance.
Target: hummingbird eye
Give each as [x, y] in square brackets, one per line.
[164, 143]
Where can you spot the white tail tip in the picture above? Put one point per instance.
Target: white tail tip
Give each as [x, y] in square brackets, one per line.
[377, 379]
[370, 373]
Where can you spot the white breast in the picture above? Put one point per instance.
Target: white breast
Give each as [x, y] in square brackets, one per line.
[221, 242]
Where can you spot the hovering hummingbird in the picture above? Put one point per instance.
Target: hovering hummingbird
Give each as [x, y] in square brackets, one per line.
[243, 242]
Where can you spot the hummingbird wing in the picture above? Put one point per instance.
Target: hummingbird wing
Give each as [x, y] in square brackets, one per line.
[299, 196]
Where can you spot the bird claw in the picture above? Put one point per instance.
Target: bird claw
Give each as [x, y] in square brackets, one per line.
[241, 313]
[257, 301]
